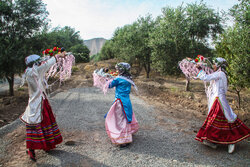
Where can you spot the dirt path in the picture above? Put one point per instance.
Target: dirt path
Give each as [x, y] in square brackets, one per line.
[165, 138]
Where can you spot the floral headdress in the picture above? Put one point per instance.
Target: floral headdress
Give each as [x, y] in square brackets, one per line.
[52, 52]
[203, 61]
[199, 58]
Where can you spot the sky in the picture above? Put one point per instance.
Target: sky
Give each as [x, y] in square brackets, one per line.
[100, 18]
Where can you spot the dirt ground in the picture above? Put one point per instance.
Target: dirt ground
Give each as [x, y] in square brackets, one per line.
[157, 90]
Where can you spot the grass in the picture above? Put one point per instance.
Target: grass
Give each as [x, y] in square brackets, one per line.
[75, 69]
[20, 89]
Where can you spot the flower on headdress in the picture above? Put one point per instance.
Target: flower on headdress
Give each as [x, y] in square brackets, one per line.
[113, 73]
[47, 51]
[55, 49]
[52, 52]
[199, 58]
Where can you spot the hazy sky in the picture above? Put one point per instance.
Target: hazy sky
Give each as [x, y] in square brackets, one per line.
[100, 18]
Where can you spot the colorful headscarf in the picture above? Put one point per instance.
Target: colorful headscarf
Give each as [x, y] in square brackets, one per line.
[124, 70]
[221, 64]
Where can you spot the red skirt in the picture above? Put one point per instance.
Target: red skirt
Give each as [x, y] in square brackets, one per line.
[45, 135]
[216, 128]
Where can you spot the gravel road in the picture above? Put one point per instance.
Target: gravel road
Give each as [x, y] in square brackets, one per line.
[161, 140]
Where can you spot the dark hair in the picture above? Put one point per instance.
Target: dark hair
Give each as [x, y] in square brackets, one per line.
[106, 70]
[31, 64]
[62, 49]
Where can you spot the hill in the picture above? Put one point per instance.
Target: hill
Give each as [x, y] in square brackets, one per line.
[94, 45]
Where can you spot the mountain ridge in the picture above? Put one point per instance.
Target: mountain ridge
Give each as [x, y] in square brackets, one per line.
[95, 45]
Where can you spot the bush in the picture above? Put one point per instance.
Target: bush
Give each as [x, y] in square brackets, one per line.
[95, 58]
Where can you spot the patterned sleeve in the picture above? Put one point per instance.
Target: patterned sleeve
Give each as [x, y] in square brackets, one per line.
[208, 77]
[114, 83]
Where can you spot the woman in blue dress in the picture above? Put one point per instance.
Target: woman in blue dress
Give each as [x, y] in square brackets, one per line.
[120, 121]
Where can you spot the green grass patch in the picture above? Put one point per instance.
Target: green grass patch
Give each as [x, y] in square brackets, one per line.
[20, 89]
[75, 69]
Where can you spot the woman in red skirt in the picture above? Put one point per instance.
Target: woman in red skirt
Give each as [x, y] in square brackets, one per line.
[221, 125]
[41, 128]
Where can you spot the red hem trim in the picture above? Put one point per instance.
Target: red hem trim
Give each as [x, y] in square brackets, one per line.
[218, 142]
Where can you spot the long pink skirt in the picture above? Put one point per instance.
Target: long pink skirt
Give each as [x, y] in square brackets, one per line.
[117, 127]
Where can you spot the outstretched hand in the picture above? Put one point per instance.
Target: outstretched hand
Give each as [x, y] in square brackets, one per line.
[62, 55]
[198, 66]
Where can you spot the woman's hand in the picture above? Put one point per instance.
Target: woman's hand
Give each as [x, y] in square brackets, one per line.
[198, 66]
[61, 55]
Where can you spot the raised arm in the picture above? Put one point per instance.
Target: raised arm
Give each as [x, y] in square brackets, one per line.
[49, 63]
[208, 77]
[46, 66]
[114, 83]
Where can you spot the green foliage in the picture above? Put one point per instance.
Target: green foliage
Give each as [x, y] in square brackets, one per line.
[131, 43]
[145, 27]
[182, 32]
[81, 53]
[202, 22]
[24, 31]
[65, 37]
[234, 47]
[20, 89]
[97, 57]
[159, 44]
[106, 51]
[19, 21]
[170, 40]
[125, 42]
[241, 13]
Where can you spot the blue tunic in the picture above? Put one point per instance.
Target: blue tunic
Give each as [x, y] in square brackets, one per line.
[122, 92]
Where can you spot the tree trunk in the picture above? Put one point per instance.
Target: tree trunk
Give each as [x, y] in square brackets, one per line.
[147, 74]
[147, 64]
[238, 93]
[187, 84]
[11, 84]
[147, 68]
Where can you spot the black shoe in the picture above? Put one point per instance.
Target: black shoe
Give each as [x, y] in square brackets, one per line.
[124, 145]
[47, 151]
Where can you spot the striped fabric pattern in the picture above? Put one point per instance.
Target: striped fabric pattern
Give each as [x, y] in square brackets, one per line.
[45, 135]
[216, 128]
[41, 134]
